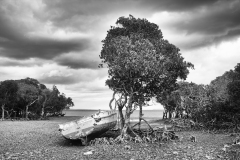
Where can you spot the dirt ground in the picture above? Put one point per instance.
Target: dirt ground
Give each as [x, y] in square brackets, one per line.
[42, 140]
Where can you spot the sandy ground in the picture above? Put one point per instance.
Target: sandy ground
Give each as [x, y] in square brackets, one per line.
[42, 140]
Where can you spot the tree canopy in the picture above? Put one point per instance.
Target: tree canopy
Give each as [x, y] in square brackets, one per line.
[30, 99]
[141, 64]
[212, 104]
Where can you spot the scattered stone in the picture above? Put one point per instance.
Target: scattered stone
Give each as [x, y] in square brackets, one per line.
[175, 152]
[209, 157]
[219, 156]
[193, 139]
[88, 153]
[127, 147]
[236, 140]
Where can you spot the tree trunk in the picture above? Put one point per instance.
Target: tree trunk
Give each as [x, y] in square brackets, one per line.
[26, 111]
[121, 117]
[165, 115]
[8, 114]
[169, 115]
[140, 115]
[120, 105]
[43, 106]
[113, 97]
[3, 111]
[28, 106]
[127, 116]
[126, 123]
[42, 112]
[177, 115]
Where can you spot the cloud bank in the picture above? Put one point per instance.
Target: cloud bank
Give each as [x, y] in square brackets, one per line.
[59, 42]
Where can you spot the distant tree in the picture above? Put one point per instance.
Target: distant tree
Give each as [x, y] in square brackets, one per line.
[140, 63]
[234, 96]
[69, 103]
[16, 97]
[214, 103]
[171, 103]
[193, 99]
[233, 89]
[44, 98]
[219, 86]
[63, 103]
[8, 90]
[29, 93]
[54, 102]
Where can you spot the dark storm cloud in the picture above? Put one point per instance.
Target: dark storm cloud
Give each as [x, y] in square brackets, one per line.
[175, 5]
[86, 14]
[16, 44]
[45, 48]
[217, 19]
[231, 35]
[214, 21]
[77, 63]
[214, 18]
[16, 40]
[27, 63]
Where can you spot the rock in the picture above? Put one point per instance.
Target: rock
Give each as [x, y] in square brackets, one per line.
[236, 140]
[127, 147]
[193, 139]
[219, 156]
[225, 147]
[175, 152]
[88, 153]
[209, 157]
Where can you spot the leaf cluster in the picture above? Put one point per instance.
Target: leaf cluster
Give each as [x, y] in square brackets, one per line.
[139, 60]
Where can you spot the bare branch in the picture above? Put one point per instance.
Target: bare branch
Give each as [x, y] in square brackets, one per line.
[113, 97]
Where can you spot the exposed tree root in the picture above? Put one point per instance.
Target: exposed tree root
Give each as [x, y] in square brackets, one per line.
[139, 123]
[157, 135]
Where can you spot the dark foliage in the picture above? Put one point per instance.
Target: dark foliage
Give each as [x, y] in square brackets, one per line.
[216, 105]
[28, 98]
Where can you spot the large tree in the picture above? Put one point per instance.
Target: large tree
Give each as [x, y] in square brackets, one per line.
[141, 64]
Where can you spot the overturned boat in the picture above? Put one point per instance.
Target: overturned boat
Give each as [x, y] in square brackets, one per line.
[89, 127]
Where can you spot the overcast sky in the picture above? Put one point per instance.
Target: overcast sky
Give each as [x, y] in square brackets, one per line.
[59, 42]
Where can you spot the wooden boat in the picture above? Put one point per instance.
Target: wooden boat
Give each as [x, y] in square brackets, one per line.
[89, 127]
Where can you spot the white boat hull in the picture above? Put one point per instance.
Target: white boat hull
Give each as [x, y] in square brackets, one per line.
[88, 127]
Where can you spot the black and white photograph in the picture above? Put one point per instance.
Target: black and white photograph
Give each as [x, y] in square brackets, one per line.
[120, 79]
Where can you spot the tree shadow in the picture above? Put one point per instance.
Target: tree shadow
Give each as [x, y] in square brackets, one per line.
[67, 142]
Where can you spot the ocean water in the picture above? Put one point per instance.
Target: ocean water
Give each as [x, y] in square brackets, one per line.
[148, 114]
